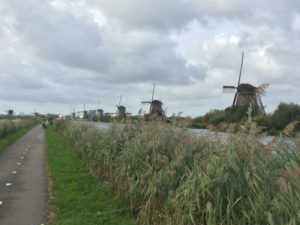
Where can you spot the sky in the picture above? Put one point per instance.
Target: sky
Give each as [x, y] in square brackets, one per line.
[57, 55]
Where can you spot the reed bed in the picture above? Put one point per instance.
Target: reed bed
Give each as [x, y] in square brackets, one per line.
[8, 127]
[165, 175]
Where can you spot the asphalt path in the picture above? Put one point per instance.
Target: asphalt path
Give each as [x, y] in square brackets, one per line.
[23, 181]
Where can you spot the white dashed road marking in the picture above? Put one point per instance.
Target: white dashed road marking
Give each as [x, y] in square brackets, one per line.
[14, 172]
[8, 184]
[1, 203]
[18, 164]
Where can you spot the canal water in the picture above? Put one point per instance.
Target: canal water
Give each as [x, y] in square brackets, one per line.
[202, 132]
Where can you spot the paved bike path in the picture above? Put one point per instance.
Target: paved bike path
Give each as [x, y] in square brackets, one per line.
[23, 181]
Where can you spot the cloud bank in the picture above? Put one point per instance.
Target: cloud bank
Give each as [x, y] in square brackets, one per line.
[58, 54]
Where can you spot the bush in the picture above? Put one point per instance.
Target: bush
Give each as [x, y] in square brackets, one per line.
[219, 117]
[264, 121]
[284, 114]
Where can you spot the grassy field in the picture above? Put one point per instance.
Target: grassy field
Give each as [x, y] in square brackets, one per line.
[169, 177]
[11, 138]
[78, 198]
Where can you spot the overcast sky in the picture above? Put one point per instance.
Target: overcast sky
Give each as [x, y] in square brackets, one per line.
[57, 55]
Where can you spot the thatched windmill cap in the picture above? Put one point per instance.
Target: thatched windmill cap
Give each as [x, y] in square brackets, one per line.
[246, 88]
[157, 102]
[120, 107]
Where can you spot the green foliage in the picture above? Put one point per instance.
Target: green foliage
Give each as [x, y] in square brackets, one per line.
[264, 120]
[235, 114]
[218, 117]
[197, 123]
[272, 123]
[284, 114]
[168, 176]
[280, 119]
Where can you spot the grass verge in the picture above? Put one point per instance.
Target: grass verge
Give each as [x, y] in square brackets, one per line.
[77, 197]
[5, 142]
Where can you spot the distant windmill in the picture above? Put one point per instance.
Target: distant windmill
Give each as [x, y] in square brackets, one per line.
[246, 93]
[99, 111]
[121, 110]
[84, 113]
[155, 105]
[35, 113]
[10, 112]
[73, 114]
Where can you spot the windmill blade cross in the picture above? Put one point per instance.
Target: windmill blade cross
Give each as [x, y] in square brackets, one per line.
[152, 98]
[229, 89]
[153, 92]
[241, 68]
[261, 104]
[234, 99]
[120, 100]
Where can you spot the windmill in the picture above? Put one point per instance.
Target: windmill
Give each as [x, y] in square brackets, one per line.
[73, 114]
[121, 110]
[10, 112]
[155, 105]
[246, 93]
[99, 111]
[35, 113]
[83, 114]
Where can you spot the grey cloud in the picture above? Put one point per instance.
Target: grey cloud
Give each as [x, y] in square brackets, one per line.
[155, 14]
[56, 56]
[61, 37]
[79, 43]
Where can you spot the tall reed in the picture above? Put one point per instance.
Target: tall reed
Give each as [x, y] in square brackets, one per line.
[168, 176]
[8, 127]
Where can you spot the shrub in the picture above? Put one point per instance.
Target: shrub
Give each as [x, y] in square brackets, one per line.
[284, 114]
[219, 117]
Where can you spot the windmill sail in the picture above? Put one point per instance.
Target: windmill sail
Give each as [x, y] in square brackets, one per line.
[152, 99]
[229, 89]
[241, 68]
[234, 99]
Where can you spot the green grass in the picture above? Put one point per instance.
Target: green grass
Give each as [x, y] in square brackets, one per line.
[8, 140]
[78, 198]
